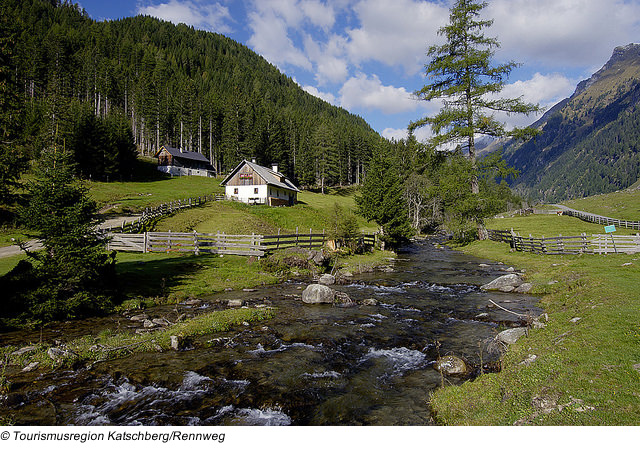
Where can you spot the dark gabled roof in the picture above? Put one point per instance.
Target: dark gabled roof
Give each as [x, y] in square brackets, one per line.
[176, 153]
[271, 178]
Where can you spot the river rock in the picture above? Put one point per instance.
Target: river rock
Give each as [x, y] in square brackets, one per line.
[511, 336]
[148, 324]
[139, 318]
[327, 279]
[31, 367]
[370, 302]
[24, 350]
[524, 288]
[161, 322]
[235, 303]
[342, 299]
[56, 353]
[511, 280]
[176, 342]
[451, 365]
[318, 293]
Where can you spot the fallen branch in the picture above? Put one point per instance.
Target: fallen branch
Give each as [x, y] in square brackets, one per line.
[505, 309]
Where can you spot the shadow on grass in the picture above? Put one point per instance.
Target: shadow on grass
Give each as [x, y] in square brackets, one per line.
[155, 275]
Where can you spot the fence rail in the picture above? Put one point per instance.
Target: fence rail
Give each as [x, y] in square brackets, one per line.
[594, 218]
[569, 245]
[220, 243]
[150, 215]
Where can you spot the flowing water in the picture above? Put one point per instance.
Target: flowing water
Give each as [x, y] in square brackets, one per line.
[310, 365]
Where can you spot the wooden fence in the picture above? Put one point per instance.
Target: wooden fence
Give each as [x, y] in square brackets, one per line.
[594, 218]
[569, 245]
[197, 243]
[150, 215]
[220, 243]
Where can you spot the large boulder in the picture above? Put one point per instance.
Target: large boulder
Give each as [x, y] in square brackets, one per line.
[318, 293]
[505, 283]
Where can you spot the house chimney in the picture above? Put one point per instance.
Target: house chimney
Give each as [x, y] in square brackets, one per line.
[274, 167]
[253, 160]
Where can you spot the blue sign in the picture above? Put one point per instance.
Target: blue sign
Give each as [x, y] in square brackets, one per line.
[610, 229]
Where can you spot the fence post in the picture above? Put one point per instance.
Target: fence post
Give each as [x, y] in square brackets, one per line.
[195, 243]
[146, 242]
[278, 241]
[297, 237]
[310, 239]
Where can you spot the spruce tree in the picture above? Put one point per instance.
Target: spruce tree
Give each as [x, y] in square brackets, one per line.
[382, 199]
[463, 76]
[73, 275]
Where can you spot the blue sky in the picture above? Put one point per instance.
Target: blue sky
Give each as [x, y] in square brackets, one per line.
[368, 55]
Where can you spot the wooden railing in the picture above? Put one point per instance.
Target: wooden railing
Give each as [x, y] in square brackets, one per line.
[151, 215]
[594, 218]
[197, 243]
[569, 245]
[219, 243]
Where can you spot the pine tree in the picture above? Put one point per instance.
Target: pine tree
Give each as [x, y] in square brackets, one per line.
[463, 76]
[73, 275]
[382, 200]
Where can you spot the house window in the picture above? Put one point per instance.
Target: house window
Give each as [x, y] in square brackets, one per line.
[235, 191]
[255, 190]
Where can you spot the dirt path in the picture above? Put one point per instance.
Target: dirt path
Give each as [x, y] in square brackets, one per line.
[13, 250]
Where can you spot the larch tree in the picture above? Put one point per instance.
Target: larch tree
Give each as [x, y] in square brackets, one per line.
[462, 75]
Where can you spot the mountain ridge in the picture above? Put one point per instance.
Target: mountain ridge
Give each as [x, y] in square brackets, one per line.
[589, 141]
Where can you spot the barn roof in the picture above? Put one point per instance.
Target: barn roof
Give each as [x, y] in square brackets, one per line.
[176, 153]
[272, 178]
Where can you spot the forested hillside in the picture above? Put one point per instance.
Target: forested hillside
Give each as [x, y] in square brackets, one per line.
[97, 87]
[590, 142]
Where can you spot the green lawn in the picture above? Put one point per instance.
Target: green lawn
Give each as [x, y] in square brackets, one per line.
[177, 276]
[584, 371]
[132, 197]
[549, 225]
[623, 205]
[314, 211]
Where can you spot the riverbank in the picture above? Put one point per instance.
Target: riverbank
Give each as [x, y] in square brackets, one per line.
[582, 368]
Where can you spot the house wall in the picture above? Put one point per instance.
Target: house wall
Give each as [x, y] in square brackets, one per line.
[246, 176]
[247, 194]
[183, 171]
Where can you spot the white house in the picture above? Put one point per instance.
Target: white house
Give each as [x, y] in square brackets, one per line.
[254, 184]
[177, 162]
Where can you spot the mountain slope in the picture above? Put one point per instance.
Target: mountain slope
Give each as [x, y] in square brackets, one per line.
[590, 142]
[178, 86]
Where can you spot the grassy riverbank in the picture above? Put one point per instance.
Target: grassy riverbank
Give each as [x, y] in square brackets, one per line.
[583, 371]
[110, 344]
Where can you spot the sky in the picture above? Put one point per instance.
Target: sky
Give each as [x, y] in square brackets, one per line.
[368, 56]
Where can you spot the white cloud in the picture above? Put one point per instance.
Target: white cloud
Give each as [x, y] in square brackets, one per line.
[563, 32]
[421, 134]
[318, 13]
[396, 34]
[545, 90]
[326, 96]
[271, 40]
[366, 92]
[212, 17]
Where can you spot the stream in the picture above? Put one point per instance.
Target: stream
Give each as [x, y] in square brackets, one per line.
[310, 365]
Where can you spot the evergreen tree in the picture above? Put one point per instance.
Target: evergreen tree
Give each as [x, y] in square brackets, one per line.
[463, 76]
[12, 161]
[382, 201]
[72, 276]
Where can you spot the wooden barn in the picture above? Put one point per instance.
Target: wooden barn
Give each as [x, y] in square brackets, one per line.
[174, 161]
[254, 184]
